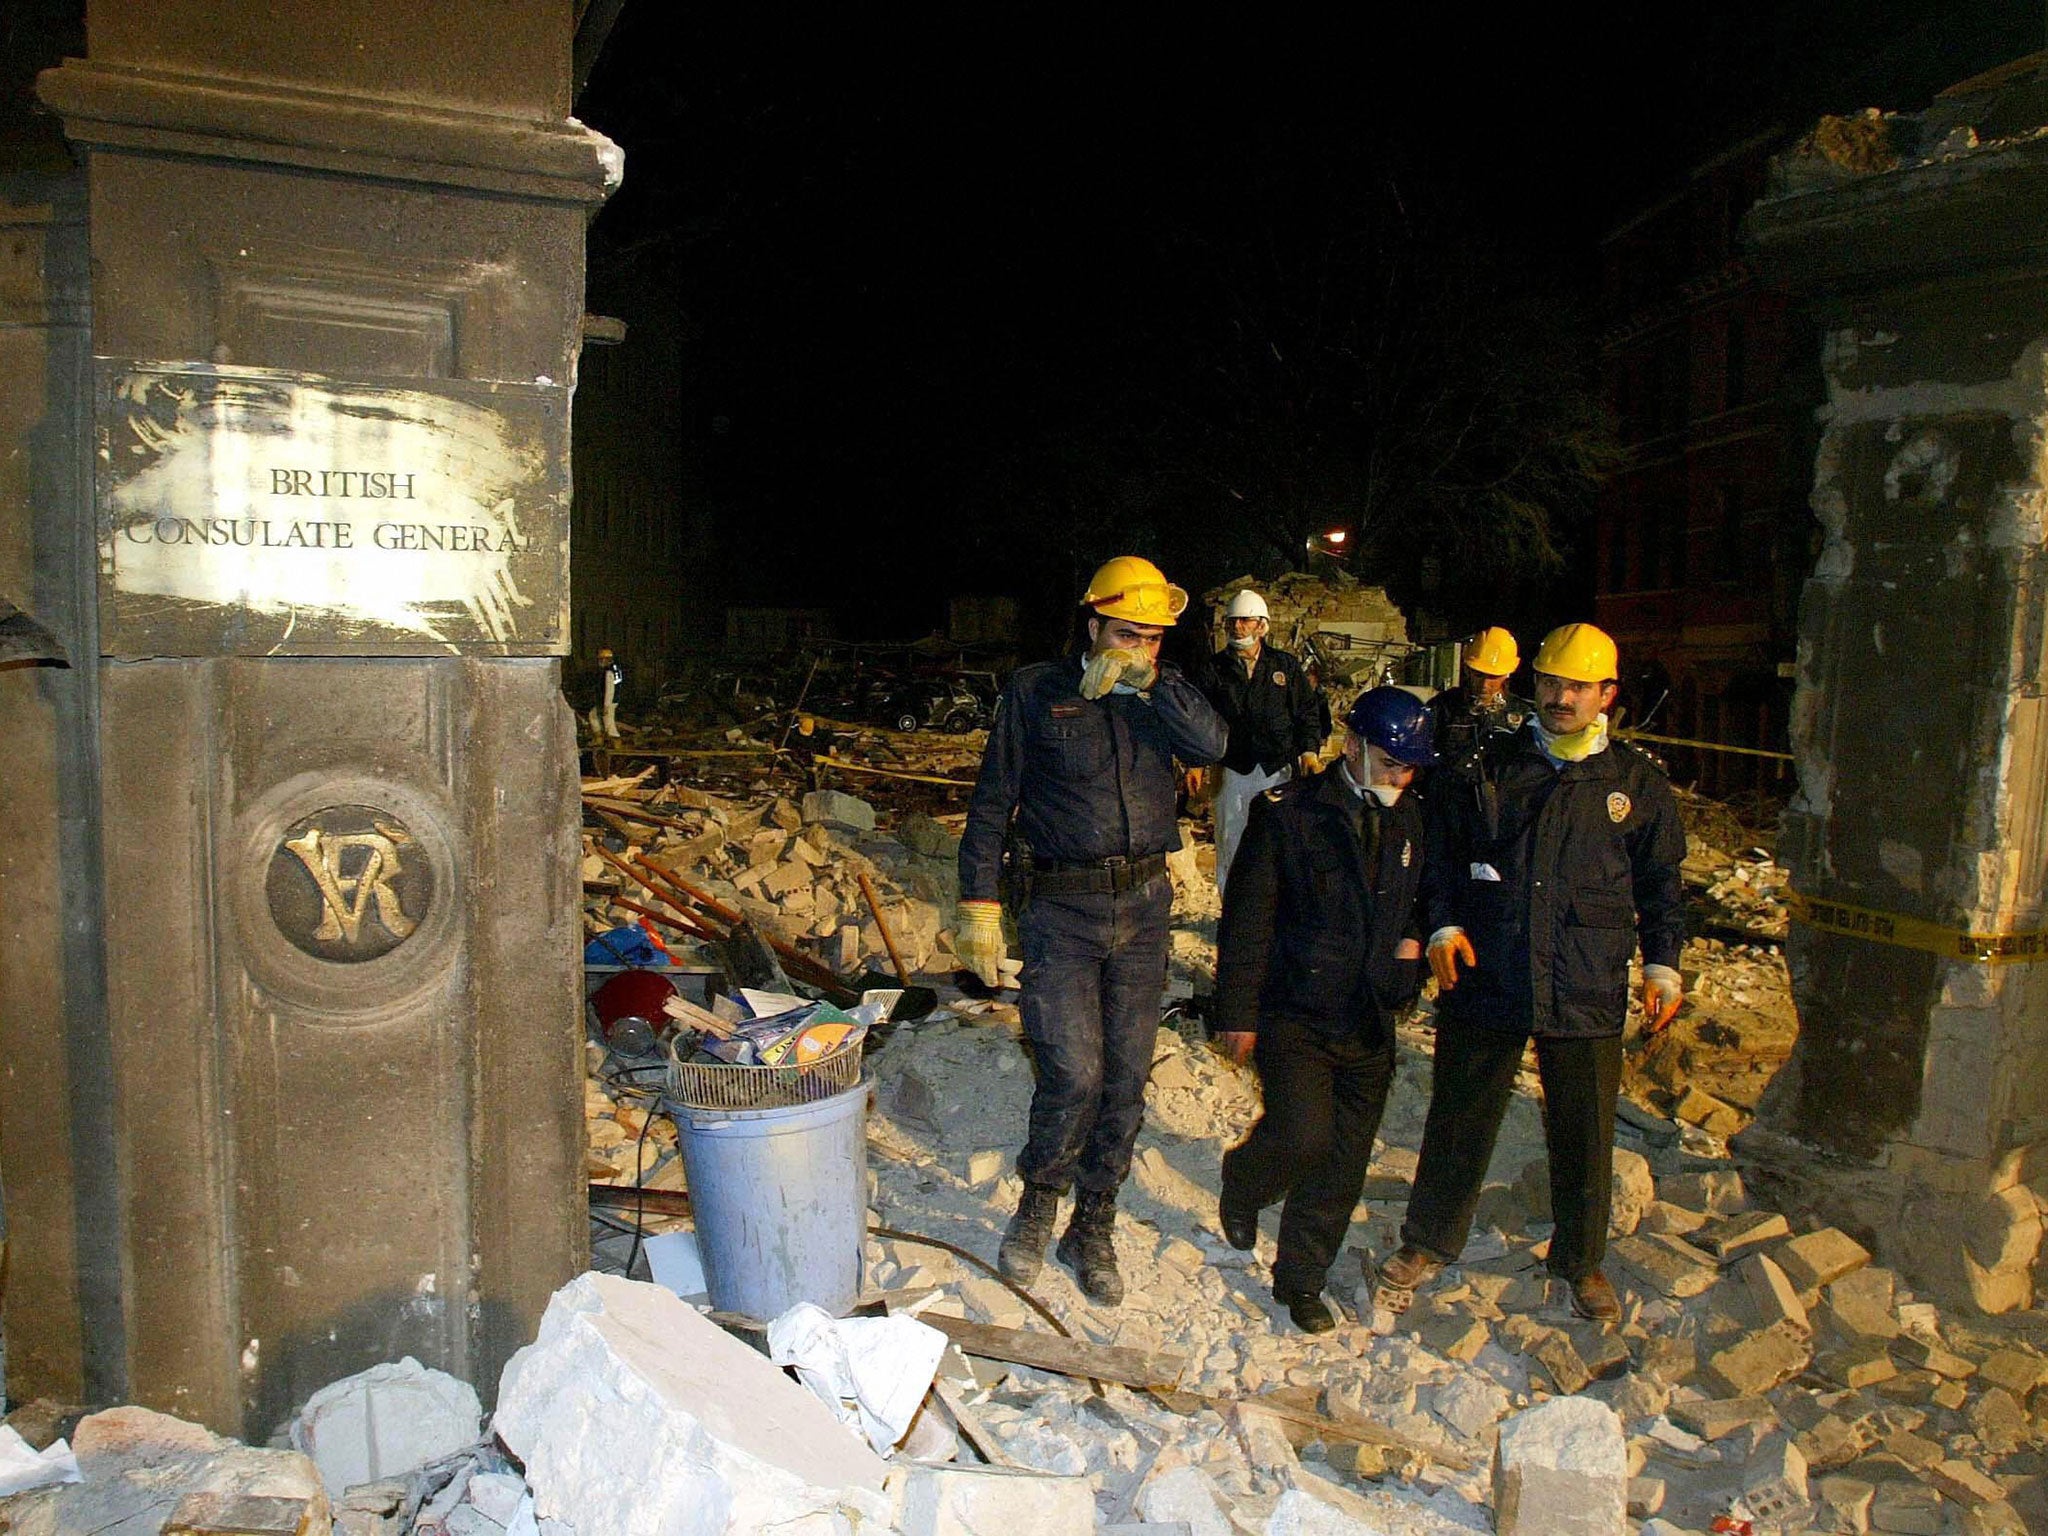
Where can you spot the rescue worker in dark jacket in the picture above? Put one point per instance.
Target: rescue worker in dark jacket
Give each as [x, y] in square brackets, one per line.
[1480, 705]
[1276, 723]
[1317, 953]
[1082, 753]
[1551, 853]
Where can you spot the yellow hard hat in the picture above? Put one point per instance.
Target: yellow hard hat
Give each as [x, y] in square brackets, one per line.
[1493, 652]
[1579, 652]
[1131, 587]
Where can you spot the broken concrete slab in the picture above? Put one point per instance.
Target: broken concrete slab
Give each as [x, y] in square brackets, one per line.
[835, 809]
[1186, 1494]
[138, 1465]
[635, 1414]
[1561, 1469]
[1859, 1305]
[1815, 1259]
[2013, 1369]
[1714, 1418]
[1906, 1508]
[385, 1422]
[1774, 1481]
[948, 1500]
[1469, 1402]
[1767, 1296]
[1729, 1237]
[1666, 1264]
[1757, 1362]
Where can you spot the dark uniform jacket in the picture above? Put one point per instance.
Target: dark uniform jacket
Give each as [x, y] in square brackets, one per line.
[1089, 780]
[1273, 713]
[1323, 889]
[1461, 722]
[1553, 872]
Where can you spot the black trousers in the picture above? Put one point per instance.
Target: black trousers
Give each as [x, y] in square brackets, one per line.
[1474, 1076]
[1324, 1095]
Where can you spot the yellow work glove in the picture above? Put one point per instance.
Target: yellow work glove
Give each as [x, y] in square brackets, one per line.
[1663, 991]
[1106, 669]
[979, 940]
[1446, 947]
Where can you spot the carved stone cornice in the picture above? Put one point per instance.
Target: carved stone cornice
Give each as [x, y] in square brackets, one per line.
[119, 107]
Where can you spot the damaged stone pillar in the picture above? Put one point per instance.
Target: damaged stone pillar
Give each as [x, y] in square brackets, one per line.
[305, 1083]
[1919, 838]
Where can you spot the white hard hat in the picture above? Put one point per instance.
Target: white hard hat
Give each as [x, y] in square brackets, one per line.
[1247, 604]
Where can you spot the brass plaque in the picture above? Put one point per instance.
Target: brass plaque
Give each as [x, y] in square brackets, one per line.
[348, 883]
[253, 512]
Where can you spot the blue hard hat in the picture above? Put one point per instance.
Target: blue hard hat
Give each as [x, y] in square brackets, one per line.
[1396, 722]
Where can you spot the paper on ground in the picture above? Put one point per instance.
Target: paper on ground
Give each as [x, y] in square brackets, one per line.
[677, 1263]
[22, 1467]
[882, 1366]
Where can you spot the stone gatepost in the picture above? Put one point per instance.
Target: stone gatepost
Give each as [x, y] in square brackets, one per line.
[293, 1084]
[1919, 838]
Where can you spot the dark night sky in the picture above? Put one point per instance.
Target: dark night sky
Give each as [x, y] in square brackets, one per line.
[925, 253]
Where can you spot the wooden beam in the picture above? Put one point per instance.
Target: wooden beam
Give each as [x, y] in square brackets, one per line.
[1067, 1357]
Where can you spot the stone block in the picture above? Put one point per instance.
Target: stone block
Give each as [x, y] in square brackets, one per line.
[1666, 1264]
[1561, 1469]
[783, 879]
[1728, 1238]
[1645, 1497]
[1634, 1189]
[1774, 1481]
[2002, 1231]
[633, 1414]
[1559, 1357]
[1456, 1336]
[1764, 1296]
[1862, 1364]
[2013, 1369]
[1717, 1191]
[1671, 1361]
[1906, 1509]
[1916, 1451]
[1815, 1259]
[1715, 1116]
[990, 1301]
[1315, 1506]
[2000, 1423]
[941, 1499]
[1663, 1216]
[1950, 1395]
[385, 1422]
[1929, 1354]
[1757, 1362]
[1185, 1494]
[1836, 1440]
[1604, 1352]
[1859, 1305]
[1714, 1418]
[1965, 1484]
[836, 809]
[1847, 1501]
[1468, 1402]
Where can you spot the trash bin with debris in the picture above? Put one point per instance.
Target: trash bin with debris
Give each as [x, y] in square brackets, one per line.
[776, 1158]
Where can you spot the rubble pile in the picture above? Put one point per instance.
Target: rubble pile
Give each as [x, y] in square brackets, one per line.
[792, 866]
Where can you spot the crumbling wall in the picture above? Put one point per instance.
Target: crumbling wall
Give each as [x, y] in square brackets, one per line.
[1917, 835]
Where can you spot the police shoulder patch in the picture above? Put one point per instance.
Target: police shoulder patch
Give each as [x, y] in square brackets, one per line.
[1618, 806]
[1280, 679]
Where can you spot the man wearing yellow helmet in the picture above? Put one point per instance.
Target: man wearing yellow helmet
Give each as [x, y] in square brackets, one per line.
[1081, 755]
[1480, 703]
[1551, 853]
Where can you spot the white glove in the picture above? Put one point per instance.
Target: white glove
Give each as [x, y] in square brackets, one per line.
[1663, 991]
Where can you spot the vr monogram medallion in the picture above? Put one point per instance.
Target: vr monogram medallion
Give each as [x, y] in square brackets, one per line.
[348, 883]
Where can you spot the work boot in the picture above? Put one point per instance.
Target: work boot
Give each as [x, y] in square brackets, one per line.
[1593, 1297]
[1310, 1312]
[1023, 1250]
[1408, 1268]
[1088, 1249]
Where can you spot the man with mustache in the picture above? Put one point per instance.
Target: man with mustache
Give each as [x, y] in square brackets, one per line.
[1552, 851]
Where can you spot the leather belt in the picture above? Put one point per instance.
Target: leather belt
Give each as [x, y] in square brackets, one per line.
[1108, 877]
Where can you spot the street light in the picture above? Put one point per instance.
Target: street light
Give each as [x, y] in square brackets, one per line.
[1333, 543]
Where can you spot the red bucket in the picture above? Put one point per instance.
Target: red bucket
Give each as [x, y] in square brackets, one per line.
[629, 1010]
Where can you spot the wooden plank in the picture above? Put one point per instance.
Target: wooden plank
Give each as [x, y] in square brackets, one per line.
[1358, 1431]
[969, 1423]
[1068, 1357]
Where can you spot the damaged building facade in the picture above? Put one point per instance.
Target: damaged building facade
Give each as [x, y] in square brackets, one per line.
[288, 1005]
[1919, 835]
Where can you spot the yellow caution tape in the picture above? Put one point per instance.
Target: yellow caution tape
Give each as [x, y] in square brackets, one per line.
[1709, 746]
[1917, 933]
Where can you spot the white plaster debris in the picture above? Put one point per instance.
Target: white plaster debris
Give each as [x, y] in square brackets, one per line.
[636, 1416]
[22, 1467]
[991, 1501]
[385, 1422]
[1561, 1469]
[872, 1372]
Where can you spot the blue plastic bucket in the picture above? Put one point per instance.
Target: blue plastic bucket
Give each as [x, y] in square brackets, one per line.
[780, 1198]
